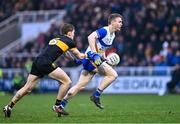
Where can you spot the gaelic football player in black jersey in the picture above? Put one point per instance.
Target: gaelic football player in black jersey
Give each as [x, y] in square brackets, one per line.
[43, 65]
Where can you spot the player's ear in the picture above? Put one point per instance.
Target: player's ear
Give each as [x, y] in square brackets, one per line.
[68, 33]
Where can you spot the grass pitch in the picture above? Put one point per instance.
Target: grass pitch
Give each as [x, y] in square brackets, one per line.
[36, 108]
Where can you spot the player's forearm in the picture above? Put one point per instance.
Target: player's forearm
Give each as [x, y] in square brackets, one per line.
[78, 54]
[92, 42]
[82, 56]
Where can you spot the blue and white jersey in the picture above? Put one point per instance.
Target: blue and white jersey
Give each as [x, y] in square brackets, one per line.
[104, 40]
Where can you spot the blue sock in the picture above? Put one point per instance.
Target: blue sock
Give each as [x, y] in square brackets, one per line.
[97, 93]
[63, 103]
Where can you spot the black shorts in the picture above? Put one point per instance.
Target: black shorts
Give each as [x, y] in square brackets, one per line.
[42, 66]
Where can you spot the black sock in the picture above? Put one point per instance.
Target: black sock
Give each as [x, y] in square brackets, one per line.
[11, 104]
[58, 102]
[100, 90]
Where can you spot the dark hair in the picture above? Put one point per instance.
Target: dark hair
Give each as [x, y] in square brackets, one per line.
[113, 16]
[66, 27]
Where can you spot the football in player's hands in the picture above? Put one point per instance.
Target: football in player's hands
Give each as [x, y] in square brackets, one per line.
[113, 59]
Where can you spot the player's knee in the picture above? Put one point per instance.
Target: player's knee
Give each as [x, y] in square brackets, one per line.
[67, 82]
[113, 76]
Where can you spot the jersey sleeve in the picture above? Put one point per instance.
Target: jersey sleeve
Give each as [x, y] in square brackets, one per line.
[71, 44]
[101, 33]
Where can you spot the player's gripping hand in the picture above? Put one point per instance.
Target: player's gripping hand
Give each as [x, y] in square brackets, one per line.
[90, 54]
[95, 57]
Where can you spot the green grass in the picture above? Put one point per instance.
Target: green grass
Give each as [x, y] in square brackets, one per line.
[118, 109]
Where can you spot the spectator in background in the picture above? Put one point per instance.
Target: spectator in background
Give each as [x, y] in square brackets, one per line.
[150, 22]
[28, 65]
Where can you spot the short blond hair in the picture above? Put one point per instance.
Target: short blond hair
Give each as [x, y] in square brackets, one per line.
[114, 16]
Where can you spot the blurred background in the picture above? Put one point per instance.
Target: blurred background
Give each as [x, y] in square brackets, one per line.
[148, 45]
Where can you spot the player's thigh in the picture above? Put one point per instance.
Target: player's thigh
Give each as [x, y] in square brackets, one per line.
[106, 69]
[60, 75]
[31, 81]
[84, 78]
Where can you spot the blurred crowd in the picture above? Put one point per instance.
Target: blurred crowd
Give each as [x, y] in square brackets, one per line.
[149, 37]
[10, 7]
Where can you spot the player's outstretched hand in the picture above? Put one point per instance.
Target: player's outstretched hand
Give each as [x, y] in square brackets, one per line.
[78, 61]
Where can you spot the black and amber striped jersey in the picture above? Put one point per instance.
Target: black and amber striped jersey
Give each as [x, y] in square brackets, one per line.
[57, 47]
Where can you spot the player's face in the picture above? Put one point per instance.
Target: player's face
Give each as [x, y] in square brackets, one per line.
[117, 24]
